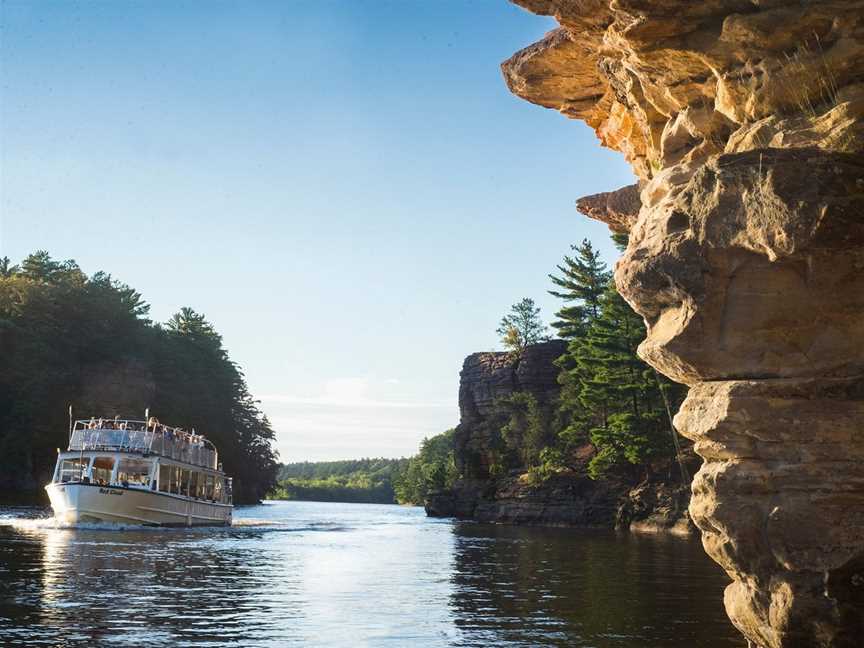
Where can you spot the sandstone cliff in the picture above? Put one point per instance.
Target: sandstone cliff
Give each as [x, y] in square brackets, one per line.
[742, 120]
[565, 499]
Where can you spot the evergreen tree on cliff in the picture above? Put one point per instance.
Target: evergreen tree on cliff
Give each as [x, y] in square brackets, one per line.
[622, 392]
[522, 326]
[583, 280]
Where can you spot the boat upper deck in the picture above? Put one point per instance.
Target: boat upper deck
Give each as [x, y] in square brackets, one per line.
[145, 438]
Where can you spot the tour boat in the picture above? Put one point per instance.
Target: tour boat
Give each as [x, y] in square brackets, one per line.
[139, 472]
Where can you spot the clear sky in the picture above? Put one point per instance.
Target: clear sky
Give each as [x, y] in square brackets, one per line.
[347, 190]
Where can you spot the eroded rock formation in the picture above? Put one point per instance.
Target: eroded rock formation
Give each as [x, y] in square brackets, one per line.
[742, 120]
[618, 209]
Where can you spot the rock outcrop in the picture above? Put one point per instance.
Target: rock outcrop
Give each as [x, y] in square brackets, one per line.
[618, 209]
[565, 499]
[742, 120]
[561, 500]
[487, 377]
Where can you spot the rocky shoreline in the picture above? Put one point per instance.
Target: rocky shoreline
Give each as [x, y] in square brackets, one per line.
[569, 501]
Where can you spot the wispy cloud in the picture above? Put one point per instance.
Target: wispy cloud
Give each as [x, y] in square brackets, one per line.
[315, 432]
[355, 416]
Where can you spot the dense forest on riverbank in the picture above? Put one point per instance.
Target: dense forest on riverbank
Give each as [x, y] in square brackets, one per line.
[66, 338]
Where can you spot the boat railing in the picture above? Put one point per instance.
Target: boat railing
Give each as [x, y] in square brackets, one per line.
[136, 436]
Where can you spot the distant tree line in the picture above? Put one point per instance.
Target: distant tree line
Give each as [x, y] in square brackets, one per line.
[66, 338]
[326, 469]
[353, 480]
[382, 481]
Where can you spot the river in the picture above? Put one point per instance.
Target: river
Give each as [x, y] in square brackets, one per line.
[316, 574]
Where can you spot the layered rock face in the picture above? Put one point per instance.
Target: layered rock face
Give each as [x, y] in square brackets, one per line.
[487, 377]
[742, 120]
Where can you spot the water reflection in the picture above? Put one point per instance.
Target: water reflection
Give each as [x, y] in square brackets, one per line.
[148, 587]
[569, 587]
[353, 575]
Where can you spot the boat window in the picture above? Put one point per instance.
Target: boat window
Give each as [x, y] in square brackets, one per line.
[208, 488]
[164, 478]
[71, 469]
[217, 494]
[202, 482]
[134, 472]
[102, 469]
[175, 479]
[193, 484]
[184, 481]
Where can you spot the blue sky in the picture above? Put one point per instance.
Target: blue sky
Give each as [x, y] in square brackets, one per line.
[347, 190]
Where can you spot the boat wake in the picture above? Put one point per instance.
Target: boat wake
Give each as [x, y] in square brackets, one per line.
[53, 524]
[47, 524]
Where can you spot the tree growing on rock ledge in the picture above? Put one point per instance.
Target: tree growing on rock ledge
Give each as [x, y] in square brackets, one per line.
[522, 327]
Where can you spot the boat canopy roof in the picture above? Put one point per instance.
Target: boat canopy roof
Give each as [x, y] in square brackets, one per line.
[145, 437]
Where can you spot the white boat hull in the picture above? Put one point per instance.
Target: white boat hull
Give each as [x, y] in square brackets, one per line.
[75, 502]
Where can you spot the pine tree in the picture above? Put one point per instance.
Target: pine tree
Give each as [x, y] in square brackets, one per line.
[522, 327]
[7, 269]
[608, 395]
[628, 422]
[583, 281]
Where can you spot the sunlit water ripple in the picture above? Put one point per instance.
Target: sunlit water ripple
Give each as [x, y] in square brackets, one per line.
[310, 574]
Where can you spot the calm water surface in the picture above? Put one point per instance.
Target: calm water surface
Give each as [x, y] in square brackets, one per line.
[310, 574]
